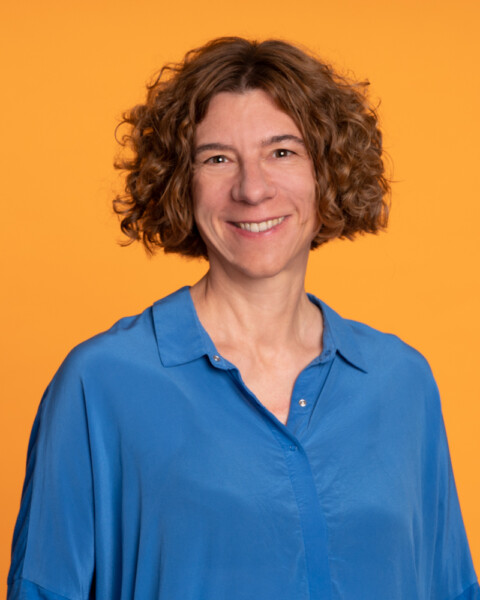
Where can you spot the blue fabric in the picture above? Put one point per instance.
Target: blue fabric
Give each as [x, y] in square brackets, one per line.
[154, 473]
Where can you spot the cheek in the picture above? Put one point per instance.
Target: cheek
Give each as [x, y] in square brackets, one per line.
[203, 214]
[309, 212]
[210, 199]
[200, 199]
[205, 193]
[304, 196]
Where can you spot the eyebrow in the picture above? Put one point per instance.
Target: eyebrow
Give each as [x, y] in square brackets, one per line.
[276, 139]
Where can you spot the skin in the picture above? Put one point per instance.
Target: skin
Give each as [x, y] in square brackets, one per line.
[252, 171]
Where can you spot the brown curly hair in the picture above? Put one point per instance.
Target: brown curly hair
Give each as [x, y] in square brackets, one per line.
[338, 125]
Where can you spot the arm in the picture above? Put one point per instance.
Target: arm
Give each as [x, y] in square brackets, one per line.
[53, 543]
[453, 575]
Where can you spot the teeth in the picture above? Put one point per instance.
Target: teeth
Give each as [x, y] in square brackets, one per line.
[263, 226]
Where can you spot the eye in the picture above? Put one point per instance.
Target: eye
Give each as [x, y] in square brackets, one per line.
[282, 153]
[216, 160]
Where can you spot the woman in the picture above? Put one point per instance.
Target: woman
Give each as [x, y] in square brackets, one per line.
[239, 439]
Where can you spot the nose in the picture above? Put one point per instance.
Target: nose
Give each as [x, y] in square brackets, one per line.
[252, 185]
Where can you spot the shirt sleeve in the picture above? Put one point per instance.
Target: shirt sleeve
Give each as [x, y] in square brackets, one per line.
[453, 576]
[53, 542]
[473, 593]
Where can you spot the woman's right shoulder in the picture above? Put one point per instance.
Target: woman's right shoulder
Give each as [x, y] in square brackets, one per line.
[129, 340]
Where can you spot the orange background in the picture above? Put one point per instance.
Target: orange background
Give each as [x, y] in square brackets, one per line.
[71, 68]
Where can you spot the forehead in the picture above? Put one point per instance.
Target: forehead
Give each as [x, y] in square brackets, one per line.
[253, 111]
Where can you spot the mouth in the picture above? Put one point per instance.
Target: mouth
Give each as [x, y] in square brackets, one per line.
[259, 227]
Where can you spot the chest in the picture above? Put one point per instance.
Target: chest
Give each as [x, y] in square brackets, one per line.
[273, 388]
[273, 381]
[198, 461]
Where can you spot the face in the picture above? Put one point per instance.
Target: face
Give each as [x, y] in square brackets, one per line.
[253, 188]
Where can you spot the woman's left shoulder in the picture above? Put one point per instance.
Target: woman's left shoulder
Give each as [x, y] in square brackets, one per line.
[389, 348]
[380, 353]
[393, 355]
[399, 379]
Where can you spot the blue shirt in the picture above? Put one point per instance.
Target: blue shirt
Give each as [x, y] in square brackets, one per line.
[153, 473]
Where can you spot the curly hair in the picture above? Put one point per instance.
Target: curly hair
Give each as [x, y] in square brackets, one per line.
[338, 124]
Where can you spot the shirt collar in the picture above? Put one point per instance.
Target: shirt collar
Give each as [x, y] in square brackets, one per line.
[343, 335]
[180, 335]
[182, 339]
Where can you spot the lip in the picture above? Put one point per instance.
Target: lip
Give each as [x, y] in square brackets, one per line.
[235, 225]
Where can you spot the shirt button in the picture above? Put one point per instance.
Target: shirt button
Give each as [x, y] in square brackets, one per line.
[302, 402]
[216, 358]
[293, 448]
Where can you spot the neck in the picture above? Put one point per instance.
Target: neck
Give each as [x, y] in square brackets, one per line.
[261, 313]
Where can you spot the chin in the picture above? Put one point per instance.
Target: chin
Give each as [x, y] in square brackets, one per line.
[262, 269]
[259, 274]
[257, 265]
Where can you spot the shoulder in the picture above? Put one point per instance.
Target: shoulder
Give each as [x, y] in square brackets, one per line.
[393, 379]
[384, 348]
[129, 340]
[385, 357]
[137, 339]
[400, 377]
[117, 366]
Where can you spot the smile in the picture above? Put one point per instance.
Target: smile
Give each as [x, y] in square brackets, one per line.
[262, 226]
